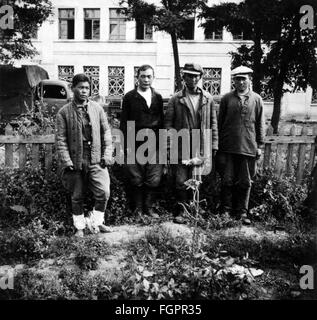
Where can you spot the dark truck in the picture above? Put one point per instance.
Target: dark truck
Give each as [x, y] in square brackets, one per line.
[20, 88]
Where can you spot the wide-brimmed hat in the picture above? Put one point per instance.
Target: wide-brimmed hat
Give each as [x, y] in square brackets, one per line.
[193, 68]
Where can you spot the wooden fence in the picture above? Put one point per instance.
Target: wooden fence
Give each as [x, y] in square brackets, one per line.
[291, 152]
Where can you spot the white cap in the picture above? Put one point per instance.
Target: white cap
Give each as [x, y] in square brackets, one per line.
[241, 71]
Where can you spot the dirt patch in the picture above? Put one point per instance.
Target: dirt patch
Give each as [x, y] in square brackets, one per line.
[254, 233]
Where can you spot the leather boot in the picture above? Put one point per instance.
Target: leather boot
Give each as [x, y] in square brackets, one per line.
[182, 197]
[138, 200]
[226, 199]
[148, 203]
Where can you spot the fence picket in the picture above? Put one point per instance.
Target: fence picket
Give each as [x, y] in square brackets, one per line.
[8, 149]
[290, 151]
[301, 158]
[267, 149]
[48, 153]
[35, 154]
[22, 155]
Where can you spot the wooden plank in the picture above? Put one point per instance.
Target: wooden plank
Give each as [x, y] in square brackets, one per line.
[312, 157]
[301, 159]
[279, 160]
[313, 150]
[31, 139]
[290, 151]
[288, 139]
[48, 153]
[35, 154]
[48, 156]
[8, 148]
[267, 155]
[22, 156]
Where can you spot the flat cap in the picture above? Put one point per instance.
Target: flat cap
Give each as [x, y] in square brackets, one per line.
[241, 71]
[193, 68]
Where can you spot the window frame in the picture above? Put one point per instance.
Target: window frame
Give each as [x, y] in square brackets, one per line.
[67, 20]
[121, 23]
[92, 20]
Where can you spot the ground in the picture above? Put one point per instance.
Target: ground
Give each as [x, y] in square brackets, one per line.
[253, 259]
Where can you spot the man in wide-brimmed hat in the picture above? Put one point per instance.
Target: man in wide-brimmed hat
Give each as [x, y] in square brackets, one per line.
[189, 109]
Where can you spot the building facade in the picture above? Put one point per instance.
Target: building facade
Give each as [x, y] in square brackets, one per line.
[93, 37]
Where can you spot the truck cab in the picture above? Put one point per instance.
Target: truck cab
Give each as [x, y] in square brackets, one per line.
[54, 94]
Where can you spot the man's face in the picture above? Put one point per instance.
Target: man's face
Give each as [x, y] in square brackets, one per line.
[81, 91]
[145, 79]
[242, 83]
[191, 80]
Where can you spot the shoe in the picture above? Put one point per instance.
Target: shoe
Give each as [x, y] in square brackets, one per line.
[92, 229]
[245, 220]
[79, 234]
[105, 229]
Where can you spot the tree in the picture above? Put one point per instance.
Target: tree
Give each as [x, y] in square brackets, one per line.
[168, 15]
[279, 43]
[28, 16]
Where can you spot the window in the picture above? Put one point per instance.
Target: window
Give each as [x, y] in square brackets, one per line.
[212, 80]
[66, 23]
[117, 25]
[215, 31]
[143, 31]
[242, 36]
[92, 23]
[187, 32]
[136, 76]
[66, 73]
[115, 81]
[93, 73]
[54, 92]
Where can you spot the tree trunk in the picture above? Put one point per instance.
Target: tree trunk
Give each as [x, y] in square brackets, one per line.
[176, 61]
[257, 67]
[278, 94]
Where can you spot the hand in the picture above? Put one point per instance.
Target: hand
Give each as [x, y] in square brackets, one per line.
[69, 168]
[106, 162]
[258, 154]
[214, 152]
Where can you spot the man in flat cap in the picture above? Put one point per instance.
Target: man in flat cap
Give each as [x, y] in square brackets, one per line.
[189, 109]
[241, 135]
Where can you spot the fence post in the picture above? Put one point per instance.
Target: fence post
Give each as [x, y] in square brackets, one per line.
[279, 157]
[290, 151]
[267, 149]
[48, 152]
[301, 158]
[312, 151]
[8, 147]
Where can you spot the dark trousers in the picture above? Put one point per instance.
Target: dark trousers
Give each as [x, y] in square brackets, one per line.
[91, 177]
[236, 172]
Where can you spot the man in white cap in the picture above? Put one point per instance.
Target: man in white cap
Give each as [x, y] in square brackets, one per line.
[189, 109]
[241, 134]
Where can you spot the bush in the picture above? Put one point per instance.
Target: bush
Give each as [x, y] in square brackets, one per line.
[277, 199]
[25, 244]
